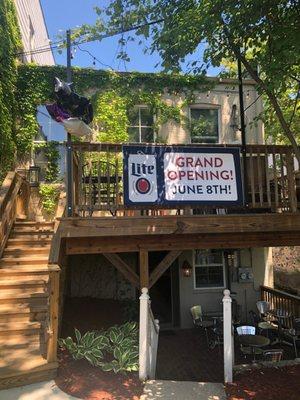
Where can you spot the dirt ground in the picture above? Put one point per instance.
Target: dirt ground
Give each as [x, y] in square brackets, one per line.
[267, 384]
[80, 379]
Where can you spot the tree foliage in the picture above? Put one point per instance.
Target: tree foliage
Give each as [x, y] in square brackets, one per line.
[263, 34]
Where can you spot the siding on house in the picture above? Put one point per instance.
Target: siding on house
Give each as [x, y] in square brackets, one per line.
[224, 97]
[34, 32]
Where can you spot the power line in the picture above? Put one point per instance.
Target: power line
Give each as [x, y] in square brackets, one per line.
[94, 58]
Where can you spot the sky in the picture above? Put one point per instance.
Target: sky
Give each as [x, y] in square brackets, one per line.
[67, 14]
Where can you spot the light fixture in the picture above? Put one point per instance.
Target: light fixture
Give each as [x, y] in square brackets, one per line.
[34, 175]
[186, 269]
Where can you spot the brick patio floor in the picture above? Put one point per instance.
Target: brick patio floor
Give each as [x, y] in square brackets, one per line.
[184, 355]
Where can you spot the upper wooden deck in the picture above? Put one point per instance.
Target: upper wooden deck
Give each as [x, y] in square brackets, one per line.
[97, 183]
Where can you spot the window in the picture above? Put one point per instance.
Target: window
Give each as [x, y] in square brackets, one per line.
[140, 125]
[209, 269]
[204, 125]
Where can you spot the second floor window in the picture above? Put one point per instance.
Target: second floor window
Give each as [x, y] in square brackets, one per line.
[204, 125]
[140, 128]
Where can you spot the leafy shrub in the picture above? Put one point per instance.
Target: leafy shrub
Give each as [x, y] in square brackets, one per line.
[49, 195]
[115, 349]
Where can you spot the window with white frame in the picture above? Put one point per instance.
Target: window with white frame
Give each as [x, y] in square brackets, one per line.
[204, 125]
[140, 128]
[209, 269]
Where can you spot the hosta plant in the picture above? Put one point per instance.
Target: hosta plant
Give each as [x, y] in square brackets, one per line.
[115, 349]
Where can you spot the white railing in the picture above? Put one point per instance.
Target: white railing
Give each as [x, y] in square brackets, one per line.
[148, 338]
[228, 338]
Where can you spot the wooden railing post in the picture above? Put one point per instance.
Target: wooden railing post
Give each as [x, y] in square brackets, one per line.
[53, 313]
[228, 337]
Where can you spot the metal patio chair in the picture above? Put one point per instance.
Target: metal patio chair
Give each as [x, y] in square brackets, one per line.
[199, 322]
[274, 355]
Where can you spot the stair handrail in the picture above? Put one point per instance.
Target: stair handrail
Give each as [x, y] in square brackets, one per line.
[14, 197]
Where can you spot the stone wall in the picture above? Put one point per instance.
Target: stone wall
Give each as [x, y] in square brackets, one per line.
[93, 276]
[286, 261]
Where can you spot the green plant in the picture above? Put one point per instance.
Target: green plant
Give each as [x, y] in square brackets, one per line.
[124, 347]
[49, 196]
[9, 45]
[52, 156]
[90, 346]
[115, 349]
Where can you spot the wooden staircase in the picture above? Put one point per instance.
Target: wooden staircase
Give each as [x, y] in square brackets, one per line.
[25, 305]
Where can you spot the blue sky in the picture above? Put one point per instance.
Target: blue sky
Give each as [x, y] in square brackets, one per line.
[64, 14]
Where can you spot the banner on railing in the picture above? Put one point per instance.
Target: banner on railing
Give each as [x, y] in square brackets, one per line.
[174, 175]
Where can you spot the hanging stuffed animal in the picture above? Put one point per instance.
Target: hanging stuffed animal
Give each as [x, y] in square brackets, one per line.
[73, 111]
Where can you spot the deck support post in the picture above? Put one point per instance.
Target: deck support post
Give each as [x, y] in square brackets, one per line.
[228, 337]
[144, 269]
[53, 314]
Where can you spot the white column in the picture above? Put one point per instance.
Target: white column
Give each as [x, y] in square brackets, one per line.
[228, 338]
[143, 336]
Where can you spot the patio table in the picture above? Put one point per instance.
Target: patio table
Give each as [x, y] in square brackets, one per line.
[254, 341]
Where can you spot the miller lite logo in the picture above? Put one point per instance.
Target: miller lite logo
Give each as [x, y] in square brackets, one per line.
[142, 178]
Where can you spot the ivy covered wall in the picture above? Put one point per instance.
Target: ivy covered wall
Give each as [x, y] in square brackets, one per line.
[10, 44]
[112, 94]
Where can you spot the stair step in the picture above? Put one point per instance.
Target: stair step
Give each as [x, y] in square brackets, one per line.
[19, 362]
[28, 299]
[19, 283]
[32, 229]
[19, 356]
[44, 371]
[30, 252]
[34, 223]
[39, 260]
[20, 340]
[14, 327]
[23, 275]
[31, 235]
[21, 308]
[28, 241]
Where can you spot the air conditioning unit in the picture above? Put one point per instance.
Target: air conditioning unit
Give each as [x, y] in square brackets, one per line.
[245, 275]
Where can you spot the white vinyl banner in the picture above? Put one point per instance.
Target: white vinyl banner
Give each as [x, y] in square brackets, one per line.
[200, 177]
[142, 178]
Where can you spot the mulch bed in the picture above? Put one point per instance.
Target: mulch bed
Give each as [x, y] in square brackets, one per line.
[266, 384]
[79, 379]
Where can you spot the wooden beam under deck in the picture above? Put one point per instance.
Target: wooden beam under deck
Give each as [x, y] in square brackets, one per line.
[96, 245]
[176, 225]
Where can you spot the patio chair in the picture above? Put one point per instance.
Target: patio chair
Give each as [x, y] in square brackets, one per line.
[247, 330]
[197, 316]
[293, 334]
[274, 355]
[263, 308]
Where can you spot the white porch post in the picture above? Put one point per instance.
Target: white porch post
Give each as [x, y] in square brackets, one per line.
[228, 338]
[143, 335]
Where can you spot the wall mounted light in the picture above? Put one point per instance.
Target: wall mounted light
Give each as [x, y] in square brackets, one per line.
[186, 269]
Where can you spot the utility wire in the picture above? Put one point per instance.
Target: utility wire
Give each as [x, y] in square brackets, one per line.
[253, 102]
[295, 106]
[95, 58]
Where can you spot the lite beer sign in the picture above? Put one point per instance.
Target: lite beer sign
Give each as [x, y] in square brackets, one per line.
[172, 175]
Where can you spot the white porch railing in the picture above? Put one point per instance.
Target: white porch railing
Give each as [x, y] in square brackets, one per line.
[228, 337]
[148, 338]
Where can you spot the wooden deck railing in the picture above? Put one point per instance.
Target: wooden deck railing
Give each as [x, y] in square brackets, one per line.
[98, 179]
[280, 300]
[14, 197]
